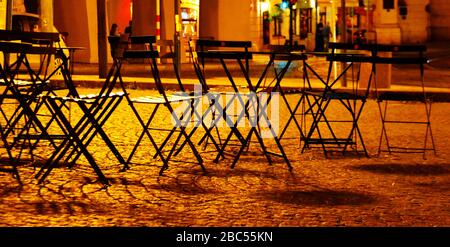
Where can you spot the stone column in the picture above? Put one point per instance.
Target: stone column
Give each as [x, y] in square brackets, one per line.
[209, 21]
[167, 20]
[102, 39]
[225, 19]
[84, 31]
[168, 26]
[144, 17]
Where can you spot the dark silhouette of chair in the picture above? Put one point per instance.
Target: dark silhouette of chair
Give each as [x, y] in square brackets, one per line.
[404, 55]
[239, 52]
[322, 131]
[142, 47]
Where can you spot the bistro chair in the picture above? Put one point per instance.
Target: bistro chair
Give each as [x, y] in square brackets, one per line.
[239, 53]
[78, 134]
[322, 132]
[294, 110]
[142, 47]
[200, 49]
[404, 55]
[23, 84]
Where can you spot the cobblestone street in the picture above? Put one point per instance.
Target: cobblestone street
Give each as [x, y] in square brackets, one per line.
[390, 190]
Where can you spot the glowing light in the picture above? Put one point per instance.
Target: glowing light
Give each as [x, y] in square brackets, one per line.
[284, 5]
[264, 6]
[131, 9]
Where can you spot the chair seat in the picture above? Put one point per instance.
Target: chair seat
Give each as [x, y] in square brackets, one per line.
[344, 95]
[88, 99]
[161, 100]
[336, 95]
[403, 96]
[21, 83]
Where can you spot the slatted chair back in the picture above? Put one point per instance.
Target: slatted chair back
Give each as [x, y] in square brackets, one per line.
[241, 48]
[142, 47]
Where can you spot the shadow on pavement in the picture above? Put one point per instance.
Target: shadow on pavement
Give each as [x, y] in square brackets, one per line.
[443, 186]
[319, 198]
[405, 169]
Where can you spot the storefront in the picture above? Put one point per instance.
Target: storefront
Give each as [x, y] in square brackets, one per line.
[264, 22]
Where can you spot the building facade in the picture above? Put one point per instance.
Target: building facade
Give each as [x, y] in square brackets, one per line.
[264, 22]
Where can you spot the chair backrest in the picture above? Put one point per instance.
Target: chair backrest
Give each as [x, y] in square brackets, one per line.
[12, 47]
[240, 48]
[114, 44]
[199, 70]
[170, 54]
[400, 48]
[46, 40]
[203, 45]
[142, 47]
[375, 49]
[350, 46]
[286, 48]
[401, 54]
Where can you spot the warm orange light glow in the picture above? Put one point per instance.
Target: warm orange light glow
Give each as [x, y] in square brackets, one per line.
[264, 6]
[131, 8]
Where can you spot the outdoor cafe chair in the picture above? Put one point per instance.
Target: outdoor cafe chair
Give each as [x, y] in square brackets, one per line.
[219, 110]
[322, 132]
[23, 83]
[214, 110]
[293, 109]
[238, 52]
[401, 56]
[197, 117]
[35, 92]
[142, 47]
[77, 136]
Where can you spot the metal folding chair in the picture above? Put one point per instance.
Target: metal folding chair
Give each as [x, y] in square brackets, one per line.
[293, 110]
[322, 132]
[196, 116]
[142, 47]
[76, 137]
[404, 55]
[201, 56]
[96, 111]
[238, 51]
[214, 110]
[22, 85]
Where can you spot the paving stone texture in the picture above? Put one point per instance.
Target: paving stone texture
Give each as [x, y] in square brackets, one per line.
[386, 190]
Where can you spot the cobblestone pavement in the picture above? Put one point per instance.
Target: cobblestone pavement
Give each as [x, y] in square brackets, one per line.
[390, 190]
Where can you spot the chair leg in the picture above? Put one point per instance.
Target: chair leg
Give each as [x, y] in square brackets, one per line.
[73, 135]
[277, 141]
[193, 149]
[241, 149]
[145, 131]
